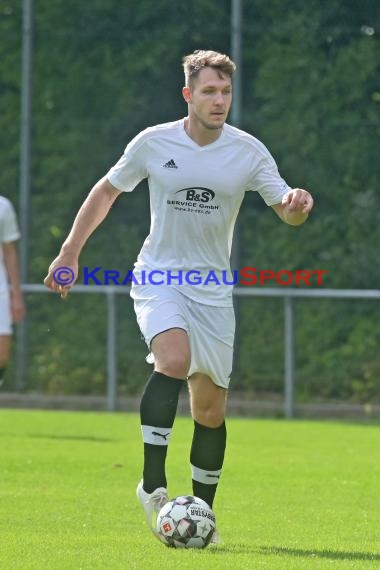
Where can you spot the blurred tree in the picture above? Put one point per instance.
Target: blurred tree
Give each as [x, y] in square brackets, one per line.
[105, 70]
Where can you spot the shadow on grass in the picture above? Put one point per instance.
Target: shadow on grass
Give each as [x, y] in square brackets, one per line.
[72, 437]
[298, 552]
[331, 554]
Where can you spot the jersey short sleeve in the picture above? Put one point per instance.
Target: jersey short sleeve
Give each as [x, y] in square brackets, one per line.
[266, 180]
[9, 230]
[130, 169]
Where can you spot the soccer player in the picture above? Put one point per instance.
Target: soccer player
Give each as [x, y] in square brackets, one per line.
[198, 169]
[11, 300]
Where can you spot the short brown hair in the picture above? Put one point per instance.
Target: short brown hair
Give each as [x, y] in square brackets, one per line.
[193, 63]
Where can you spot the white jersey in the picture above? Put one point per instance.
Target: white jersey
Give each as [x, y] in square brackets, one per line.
[195, 196]
[8, 232]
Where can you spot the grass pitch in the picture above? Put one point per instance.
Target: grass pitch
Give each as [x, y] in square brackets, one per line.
[293, 495]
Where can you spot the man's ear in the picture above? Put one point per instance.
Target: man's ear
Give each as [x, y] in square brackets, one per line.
[186, 92]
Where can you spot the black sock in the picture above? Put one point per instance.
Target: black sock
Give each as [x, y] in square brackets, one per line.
[206, 458]
[157, 412]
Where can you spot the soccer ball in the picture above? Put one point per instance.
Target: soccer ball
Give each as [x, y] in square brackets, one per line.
[186, 522]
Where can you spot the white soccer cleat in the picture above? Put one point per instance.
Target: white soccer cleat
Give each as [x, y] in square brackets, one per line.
[215, 539]
[152, 503]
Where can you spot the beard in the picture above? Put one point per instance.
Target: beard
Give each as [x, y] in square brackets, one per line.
[209, 125]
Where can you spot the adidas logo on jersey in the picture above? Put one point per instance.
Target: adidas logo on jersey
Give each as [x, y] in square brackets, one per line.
[170, 164]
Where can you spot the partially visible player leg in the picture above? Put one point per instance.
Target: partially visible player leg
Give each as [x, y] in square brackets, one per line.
[159, 402]
[211, 339]
[5, 349]
[157, 411]
[5, 333]
[208, 403]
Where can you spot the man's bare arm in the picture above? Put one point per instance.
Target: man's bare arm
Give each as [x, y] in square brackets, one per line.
[90, 215]
[13, 273]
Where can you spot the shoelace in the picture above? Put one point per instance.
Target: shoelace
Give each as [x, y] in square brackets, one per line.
[158, 499]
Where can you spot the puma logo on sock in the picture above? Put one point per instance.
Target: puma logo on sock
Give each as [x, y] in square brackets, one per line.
[163, 435]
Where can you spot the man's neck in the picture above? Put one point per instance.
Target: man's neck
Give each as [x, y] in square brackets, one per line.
[201, 135]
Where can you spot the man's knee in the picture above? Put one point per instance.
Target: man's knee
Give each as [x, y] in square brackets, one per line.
[209, 416]
[208, 401]
[175, 365]
[172, 353]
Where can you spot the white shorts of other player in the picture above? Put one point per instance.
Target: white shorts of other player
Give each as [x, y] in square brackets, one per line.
[210, 329]
[5, 314]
